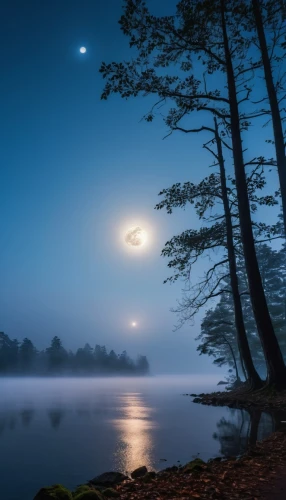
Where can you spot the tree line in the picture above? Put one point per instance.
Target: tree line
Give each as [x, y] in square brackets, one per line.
[220, 62]
[22, 358]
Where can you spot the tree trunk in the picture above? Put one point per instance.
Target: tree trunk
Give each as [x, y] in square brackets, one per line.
[274, 106]
[243, 368]
[255, 416]
[276, 371]
[278, 419]
[243, 346]
[233, 357]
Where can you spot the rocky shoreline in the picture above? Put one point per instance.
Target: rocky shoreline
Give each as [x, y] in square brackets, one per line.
[249, 477]
[263, 400]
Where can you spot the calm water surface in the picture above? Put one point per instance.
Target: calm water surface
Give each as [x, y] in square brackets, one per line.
[69, 430]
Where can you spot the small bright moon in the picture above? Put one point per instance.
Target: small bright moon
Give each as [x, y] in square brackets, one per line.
[82, 50]
[136, 236]
[133, 324]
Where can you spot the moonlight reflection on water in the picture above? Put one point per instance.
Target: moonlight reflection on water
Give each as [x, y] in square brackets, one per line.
[135, 441]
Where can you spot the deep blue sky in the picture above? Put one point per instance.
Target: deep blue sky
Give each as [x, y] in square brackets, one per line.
[77, 171]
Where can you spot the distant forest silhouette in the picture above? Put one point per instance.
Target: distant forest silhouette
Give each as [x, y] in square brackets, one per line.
[22, 358]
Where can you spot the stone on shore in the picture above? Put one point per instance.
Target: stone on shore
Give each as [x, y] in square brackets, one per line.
[140, 472]
[194, 466]
[55, 492]
[197, 400]
[149, 477]
[108, 479]
[173, 468]
[89, 495]
[111, 493]
[81, 489]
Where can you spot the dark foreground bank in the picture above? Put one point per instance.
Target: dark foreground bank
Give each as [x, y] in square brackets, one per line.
[258, 474]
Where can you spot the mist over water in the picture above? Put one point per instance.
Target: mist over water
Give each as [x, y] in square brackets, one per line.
[67, 430]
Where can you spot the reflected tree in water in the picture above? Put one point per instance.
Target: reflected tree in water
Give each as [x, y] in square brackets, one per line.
[241, 430]
[27, 416]
[56, 417]
[277, 419]
[12, 422]
[230, 433]
[2, 425]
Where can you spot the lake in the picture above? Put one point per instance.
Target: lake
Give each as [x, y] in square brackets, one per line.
[68, 430]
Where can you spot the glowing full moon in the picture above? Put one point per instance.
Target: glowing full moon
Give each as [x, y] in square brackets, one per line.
[136, 236]
[133, 324]
[82, 50]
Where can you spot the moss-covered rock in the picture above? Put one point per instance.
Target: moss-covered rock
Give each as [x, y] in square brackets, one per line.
[55, 492]
[174, 468]
[149, 477]
[89, 495]
[194, 466]
[110, 493]
[81, 489]
[139, 472]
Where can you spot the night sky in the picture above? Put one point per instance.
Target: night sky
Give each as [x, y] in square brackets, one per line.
[76, 173]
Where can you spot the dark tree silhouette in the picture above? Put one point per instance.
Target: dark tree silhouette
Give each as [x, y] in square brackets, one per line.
[273, 17]
[204, 31]
[27, 355]
[223, 234]
[8, 353]
[57, 355]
